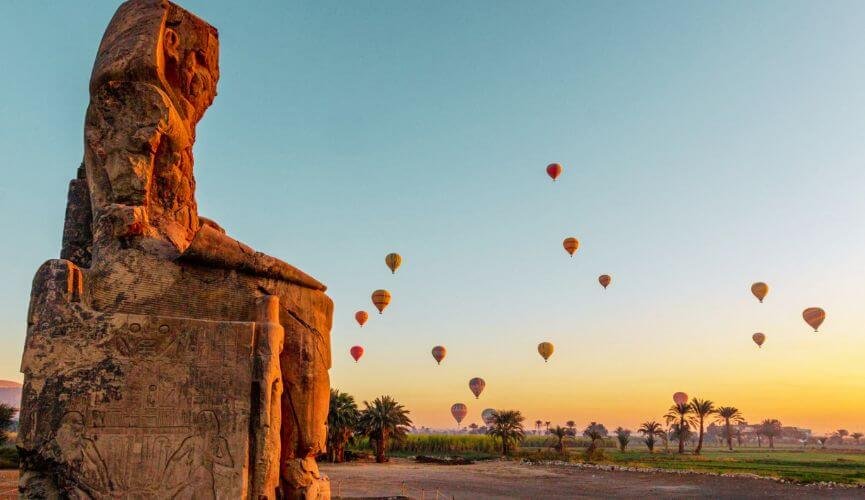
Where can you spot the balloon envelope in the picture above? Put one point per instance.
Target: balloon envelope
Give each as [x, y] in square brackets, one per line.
[545, 349]
[393, 261]
[605, 280]
[680, 398]
[814, 316]
[438, 353]
[356, 352]
[760, 289]
[459, 411]
[361, 317]
[554, 170]
[477, 385]
[759, 338]
[571, 245]
[487, 416]
[380, 298]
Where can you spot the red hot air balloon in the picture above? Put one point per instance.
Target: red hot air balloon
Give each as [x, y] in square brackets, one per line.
[814, 316]
[605, 280]
[758, 339]
[459, 412]
[477, 385]
[361, 317]
[554, 170]
[356, 352]
[438, 353]
[680, 398]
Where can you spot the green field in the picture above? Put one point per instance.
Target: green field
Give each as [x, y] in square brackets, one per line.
[805, 466]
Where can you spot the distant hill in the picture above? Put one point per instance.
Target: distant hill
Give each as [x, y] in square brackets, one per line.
[10, 393]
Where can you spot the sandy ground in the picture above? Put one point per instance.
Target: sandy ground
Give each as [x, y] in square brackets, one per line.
[8, 484]
[500, 479]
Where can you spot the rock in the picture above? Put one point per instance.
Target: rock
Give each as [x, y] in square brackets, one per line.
[164, 358]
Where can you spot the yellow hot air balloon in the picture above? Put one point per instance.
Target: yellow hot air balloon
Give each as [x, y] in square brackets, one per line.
[814, 316]
[571, 245]
[760, 290]
[393, 261]
[545, 349]
[759, 338]
[380, 298]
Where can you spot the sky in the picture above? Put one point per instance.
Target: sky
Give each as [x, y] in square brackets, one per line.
[706, 145]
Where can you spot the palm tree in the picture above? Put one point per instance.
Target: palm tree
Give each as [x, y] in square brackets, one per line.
[547, 424]
[857, 436]
[681, 414]
[507, 425]
[571, 425]
[841, 433]
[727, 415]
[651, 429]
[624, 436]
[702, 408]
[383, 420]
[560, 433]
[771, 428]
[595, 432]
[342, 417]
[538, 424]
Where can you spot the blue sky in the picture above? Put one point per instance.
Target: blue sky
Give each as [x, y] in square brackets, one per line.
[706, 145]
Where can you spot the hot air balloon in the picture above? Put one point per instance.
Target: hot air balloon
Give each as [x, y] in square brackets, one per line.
[439, 352]
[393, 261]
[477, 385]
[554, 170]
[760, 289]
[545, 349]
[356, 352]
[814, 316]
[759, 338]
[381, 298]
[361, 317]
[680, 398]
[605, 280]
[459, 412]
[571, 245]
[487, 416]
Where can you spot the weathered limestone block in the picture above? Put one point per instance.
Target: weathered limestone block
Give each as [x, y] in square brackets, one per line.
[163, 358]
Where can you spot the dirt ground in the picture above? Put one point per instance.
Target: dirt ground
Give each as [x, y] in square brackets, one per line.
[499, 479]
[8, 484]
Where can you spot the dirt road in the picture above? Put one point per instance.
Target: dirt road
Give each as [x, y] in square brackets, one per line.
[499, 479]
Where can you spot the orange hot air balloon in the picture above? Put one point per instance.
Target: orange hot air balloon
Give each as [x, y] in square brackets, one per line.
[760, 289]
[356, 352]
[680, 398]
[759, 338]
[439, 352]
[554, 170]
[571, 245]
[361, 317]
[477, 385]
[487, 416]
[605, 280]
[814, 316]
[459, 412]
[393, 261]
[381, 298]
[545, 349]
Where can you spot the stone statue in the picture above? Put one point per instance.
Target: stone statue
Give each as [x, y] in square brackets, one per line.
[163, 358]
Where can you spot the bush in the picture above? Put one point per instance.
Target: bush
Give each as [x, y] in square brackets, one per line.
[8, 457]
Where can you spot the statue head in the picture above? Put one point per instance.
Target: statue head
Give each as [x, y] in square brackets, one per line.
[158, 42]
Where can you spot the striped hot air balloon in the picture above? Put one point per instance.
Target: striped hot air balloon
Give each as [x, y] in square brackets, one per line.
[361, 317]
[605, 280]
[571, 245]
[680, 398]
[477, 385]
[380, 298]
[487, 416]
[814, 316]
[545, 349]
[758, 339]
[459, 412]
[438, 353]
[393, 261]
[760, 289]
[554, 170]
[356, 352]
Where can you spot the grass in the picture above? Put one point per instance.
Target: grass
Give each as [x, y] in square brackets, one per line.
[804, 466]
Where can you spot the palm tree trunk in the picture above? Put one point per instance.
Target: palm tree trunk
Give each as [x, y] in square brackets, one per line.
[700, 440]
[729, 435]
[682, 435]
